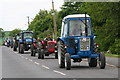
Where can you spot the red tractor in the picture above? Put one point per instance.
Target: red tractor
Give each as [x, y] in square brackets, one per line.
[44, 48]
[48, 48]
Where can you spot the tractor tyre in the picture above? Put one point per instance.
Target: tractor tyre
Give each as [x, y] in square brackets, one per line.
[102, 60]
[56, 55]
[14, 47]
[21, 48]
[67, 61]
[7, 45]
[42, 53]
[39, 54]
[34, 53]
[32, 50]
[46, 54]
[93, 62]
[61, 54]
[11, 46]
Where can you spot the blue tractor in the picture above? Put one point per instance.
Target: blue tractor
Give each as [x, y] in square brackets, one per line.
[25, 41]
[77, 42]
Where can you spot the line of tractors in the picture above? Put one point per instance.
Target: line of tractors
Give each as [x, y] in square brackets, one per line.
[75, 43]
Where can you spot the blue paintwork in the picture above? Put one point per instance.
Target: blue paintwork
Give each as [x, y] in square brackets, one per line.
[27, 40]
[27, 32]
[79, 53]
[76, 18]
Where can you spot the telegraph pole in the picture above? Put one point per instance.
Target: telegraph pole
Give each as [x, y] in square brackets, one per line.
[54, 21]
[28, 21]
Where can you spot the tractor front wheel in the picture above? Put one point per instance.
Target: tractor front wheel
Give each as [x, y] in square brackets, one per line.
[92, 62]
[21, 48]
[102, 60]
[46, 54]
[67, 61]
[61, 54]
[56, 55]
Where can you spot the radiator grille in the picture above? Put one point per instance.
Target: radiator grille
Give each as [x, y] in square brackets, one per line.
[84, 44]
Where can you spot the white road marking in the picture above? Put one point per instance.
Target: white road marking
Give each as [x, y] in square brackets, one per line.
[26, 58]
[15, 52]
[36, 63]
[45, 67]
[30, 60]
[59, 72]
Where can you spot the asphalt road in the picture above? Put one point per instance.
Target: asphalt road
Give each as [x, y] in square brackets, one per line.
[15, 65]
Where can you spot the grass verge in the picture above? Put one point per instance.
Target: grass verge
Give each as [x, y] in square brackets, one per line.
[112, 55]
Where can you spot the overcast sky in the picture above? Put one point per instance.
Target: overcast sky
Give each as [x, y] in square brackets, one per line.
[13, 13]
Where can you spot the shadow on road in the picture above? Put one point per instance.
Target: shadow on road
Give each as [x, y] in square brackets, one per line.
[83, 67]
[49, 58]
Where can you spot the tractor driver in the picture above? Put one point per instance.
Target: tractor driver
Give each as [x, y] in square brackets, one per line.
[76, 30]
[48, 38]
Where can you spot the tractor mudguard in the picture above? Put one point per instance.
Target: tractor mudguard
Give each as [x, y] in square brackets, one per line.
[61, 38]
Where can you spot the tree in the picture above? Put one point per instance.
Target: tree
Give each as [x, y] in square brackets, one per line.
[105, 21]
[15, 31]
[2, 34]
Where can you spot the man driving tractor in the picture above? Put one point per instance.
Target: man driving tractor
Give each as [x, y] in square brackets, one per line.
[48, 38]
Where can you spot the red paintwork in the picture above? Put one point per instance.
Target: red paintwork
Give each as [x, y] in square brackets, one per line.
[43, 42]
[51, 50]
[35, 44]
[52, 42]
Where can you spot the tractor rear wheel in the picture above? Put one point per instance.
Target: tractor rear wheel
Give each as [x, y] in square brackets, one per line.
[39, 53]
[32, 50]
[14, 47]
[61, 54]
[11, 45]
[102, 60]
[67, 61]
[21, 48]
[93, 62]
[42, 53]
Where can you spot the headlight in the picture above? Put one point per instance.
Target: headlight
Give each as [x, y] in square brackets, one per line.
[76, 41]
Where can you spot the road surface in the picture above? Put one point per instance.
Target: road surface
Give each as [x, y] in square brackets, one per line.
[15, 65]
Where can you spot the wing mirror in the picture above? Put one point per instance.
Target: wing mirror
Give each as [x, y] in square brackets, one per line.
[94, 37]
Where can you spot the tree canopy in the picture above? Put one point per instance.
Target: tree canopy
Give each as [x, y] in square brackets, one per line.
[13, 32]
[105, 21]
[2, 34]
